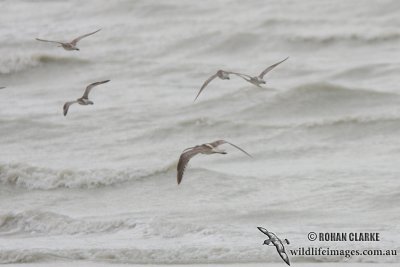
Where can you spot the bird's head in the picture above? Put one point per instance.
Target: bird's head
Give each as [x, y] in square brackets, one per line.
[77, 49]
[267, 242]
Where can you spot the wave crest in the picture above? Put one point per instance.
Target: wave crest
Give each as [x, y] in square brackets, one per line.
[35, 222]
[14, 63]
[176, 254]
[26, 176]
[344, 38]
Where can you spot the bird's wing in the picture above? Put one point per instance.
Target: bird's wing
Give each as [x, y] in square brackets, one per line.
[242, 75]
[90, 86]
[220, 142]
[264, 231]
[280, 248]
[189, 148]
[205, 84]
[66, 106]
[48, 41]
[245, 77]
[76, 40]
[274, 235]
[184, 160]
[270, 68]
[2, 87]
[283, 255]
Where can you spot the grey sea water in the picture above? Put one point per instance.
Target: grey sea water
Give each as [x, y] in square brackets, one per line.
[100, 184]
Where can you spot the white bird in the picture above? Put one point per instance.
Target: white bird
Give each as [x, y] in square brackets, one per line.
[258, 80]
[69, 46]
[222, 74]
[84, 100]
[209, 148]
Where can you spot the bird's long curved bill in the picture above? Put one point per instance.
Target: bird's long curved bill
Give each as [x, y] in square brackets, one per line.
[241, 150]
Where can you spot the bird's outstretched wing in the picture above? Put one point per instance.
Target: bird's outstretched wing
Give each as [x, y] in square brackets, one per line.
[189, 148]
[220, 142]
[241, 75]
[205, 84]
[262, 74]
[2, 87]
[245, 77]
[282, 253]
[48, 41]
[264, 231]
[66, 106]
[90, 87]
[280, 248]
[184, 160]
[76, 40]
[274, 235]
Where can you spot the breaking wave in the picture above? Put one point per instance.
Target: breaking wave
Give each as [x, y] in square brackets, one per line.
[30, 177]
[49, 223]
[14, 63]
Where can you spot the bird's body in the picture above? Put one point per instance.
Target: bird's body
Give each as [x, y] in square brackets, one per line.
[208, 148]
[69, 46]
[259, 80]
[222, 74]
[84, 100]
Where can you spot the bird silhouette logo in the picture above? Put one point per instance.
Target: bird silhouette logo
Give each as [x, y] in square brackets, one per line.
[273, 240]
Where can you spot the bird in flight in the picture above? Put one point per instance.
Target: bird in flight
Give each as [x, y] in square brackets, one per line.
[258, 80]
[222, 74]
[70, 46]
[209, 148]
[84, 100]
[275, 241]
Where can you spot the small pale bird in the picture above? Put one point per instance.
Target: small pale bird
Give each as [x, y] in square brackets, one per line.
[84, 100]
[70, 46]
[277, 242]
[222, 74]
[209, 148]
[258, 80]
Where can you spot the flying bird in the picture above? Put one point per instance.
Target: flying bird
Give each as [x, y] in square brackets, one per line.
[84, 100]
[209, 148]
[258, 80]
[70, 46]
[222, 74]
[274, 240]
